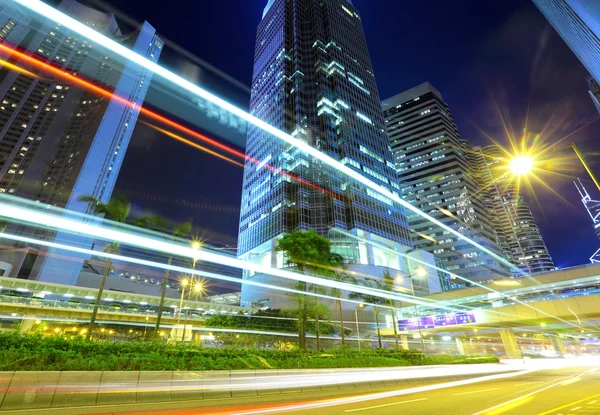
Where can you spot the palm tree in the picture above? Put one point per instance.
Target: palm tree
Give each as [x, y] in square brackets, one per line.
[318, 309]
[336, 262]
[308, 252]
[180, 231]
[118, 210]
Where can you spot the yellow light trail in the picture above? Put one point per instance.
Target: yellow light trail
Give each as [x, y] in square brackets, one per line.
[585, 165]
[18, 69]
[49, 12]
[192, 144]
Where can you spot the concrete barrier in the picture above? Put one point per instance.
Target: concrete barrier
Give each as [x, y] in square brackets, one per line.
[77, 389]
[5, 379]
[155, 386]
[31, 390]
[117, 388]
[187, 386]
[36, 390]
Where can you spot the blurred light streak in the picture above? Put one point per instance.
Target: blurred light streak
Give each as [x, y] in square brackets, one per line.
[247, 380]
[568, 405]
[456, 276]
[190, 143]
[151, 114]
[510, 406]
[108, 94]
[14, 67]
[513, 403]
[375, 396]
[585, 165]
[239, 264]
[49, 12]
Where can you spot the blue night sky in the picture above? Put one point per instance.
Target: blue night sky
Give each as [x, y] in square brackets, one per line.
[486, 58]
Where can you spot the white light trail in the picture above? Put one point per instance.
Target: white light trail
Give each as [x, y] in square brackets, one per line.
[51, 13]
[218, 260]
[427, 265]
[45, 220]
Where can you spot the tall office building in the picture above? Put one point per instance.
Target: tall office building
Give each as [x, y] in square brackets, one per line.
[59, 141]
[593, 208]
[435, 173]
[518, 234]
[594, 91]
[313, 79]
[578, 23]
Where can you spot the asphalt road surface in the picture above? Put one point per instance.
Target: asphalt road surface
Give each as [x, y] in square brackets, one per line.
[572, 390]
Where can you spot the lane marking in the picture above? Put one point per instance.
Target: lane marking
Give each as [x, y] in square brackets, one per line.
[387, 404]
[483, 390]
[592, 402]
[500, 408]
[576, 408]
[569, 404]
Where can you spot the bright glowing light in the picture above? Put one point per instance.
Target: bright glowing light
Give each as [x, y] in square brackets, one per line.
[507, 282]
[446, 338]
[198, 287]
[184, 282]
[521, 165]
[119, 49]
[421, 272]
[196, 245]
[18, 69]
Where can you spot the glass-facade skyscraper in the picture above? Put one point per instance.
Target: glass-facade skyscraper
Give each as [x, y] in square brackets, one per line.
[433, 164]
[59, 141]
[578, 23]
[518, 234]
[313, 79]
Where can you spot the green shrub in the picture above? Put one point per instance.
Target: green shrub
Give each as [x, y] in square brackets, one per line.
[35, 352]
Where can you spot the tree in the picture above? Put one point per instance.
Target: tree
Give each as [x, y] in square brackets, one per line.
[180, 231]
[309, 253]
[118, 210]
[336, 263]
[372, 299]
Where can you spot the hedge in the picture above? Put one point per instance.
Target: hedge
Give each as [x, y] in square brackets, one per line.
[26, 352]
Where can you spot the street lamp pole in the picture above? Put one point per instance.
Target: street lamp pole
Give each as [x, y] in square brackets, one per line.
[145, 328]
[184, 284]
[357, 330]
[412, 289]
[198, 288]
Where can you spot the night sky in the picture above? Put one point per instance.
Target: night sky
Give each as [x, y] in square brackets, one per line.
[486, 58]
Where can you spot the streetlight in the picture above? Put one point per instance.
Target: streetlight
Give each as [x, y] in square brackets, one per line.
[145, 328]
[198, 289]
[521, 165]
[419, 272]
[361, 305]
[196, 246]
[184, 283]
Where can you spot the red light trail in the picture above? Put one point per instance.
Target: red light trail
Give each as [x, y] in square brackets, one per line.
[155, 116]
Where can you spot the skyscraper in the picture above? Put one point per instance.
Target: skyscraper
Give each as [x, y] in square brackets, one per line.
[593, 208]
[58, 141]
[433, 166]
[313, 79]
[578, 23]
[594, 91]
[518, 234]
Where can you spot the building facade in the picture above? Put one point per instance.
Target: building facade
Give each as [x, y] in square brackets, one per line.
[58, 141]
[313, 79]
[518, 234]
[578, 23]
[594, 91]
[434, 169]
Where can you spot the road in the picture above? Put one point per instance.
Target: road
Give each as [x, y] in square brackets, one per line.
[565, 391]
